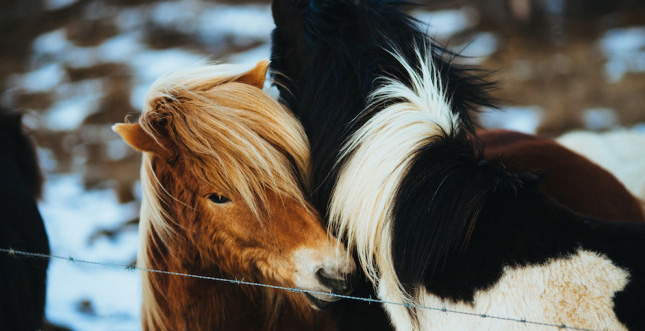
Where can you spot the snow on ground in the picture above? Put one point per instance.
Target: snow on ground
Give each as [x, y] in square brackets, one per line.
[620, 151]
[625, 50]
[58, 4]
[523, 119]
[166, 61]
[443, 24]
[482, 45]
[82, 99]
[600, 119]
[95, 297]
[82, 296]
[89, 297]
[53, 51]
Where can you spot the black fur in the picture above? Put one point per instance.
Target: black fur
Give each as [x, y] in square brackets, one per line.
[438, 206]
[22, 280]
[459, 219]
[326, 57]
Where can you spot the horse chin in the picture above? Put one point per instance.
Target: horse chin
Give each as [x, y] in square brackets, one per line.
[318, 303]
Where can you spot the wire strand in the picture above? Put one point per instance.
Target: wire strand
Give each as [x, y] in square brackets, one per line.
[130, 267]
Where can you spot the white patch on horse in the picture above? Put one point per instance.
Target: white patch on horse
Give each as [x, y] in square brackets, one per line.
[576, 291]
[377, 158]
[331, 259]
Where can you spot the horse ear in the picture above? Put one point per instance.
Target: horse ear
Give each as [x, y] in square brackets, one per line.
[135, 136]
[255, 76]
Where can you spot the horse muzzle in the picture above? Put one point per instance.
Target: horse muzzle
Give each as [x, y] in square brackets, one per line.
[338, 286]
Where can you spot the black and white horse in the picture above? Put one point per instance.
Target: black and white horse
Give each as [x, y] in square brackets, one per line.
[22, 280]
[432, 221]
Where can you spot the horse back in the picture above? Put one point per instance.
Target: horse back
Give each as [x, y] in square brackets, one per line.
[569, 178]
[22, 280]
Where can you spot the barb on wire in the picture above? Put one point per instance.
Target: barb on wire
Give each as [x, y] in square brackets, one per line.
[369, 300]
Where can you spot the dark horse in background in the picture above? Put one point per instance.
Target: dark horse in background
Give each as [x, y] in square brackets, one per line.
[399, 172]
[22, 280]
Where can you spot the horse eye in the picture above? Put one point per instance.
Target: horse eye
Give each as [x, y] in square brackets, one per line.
[218, 198]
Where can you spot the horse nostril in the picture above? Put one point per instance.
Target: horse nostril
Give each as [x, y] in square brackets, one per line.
[337, 285]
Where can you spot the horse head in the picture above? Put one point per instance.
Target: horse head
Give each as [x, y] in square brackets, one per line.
[224, 172]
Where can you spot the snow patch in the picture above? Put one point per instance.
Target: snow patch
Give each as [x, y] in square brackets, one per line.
[54, 42]
[46, 160]
[625, 52]
[70, 113]
[524, 119]
[43, 79]
[117, 149]
[483, 45]
[150, 65]
[58, 4]
[443, 24]
[252, 56]
[72, 215]
[247, 21]
[76, 102]
[120, 48]
[640, 127]
[250, 22]
[600, 118]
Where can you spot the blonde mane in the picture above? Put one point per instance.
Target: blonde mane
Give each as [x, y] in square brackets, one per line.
[228, 134]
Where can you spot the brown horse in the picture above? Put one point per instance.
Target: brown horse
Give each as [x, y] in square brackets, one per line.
[571, 179]
[223, 173]
[621, 152]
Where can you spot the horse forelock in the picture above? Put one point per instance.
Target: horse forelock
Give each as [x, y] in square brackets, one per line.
[232, 136]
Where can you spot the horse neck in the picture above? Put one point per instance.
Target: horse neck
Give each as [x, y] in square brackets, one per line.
[479, 213]
[531, 228]
[187, 303]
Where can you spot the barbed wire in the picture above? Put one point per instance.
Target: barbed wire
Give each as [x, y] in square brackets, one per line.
[131, 267]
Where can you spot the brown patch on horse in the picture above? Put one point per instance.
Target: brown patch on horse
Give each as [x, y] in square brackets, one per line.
[570, 178]
[223, 175]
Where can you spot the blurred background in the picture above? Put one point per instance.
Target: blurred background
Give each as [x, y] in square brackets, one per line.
[75, 67]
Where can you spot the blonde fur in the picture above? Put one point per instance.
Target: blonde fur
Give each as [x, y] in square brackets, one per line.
[232, 136]
[377, 157]
[241, 127]
[575, 291]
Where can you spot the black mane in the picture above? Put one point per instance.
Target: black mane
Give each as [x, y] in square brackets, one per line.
[459, 219]
[440, 201]
[327, 57]
[344, 46]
